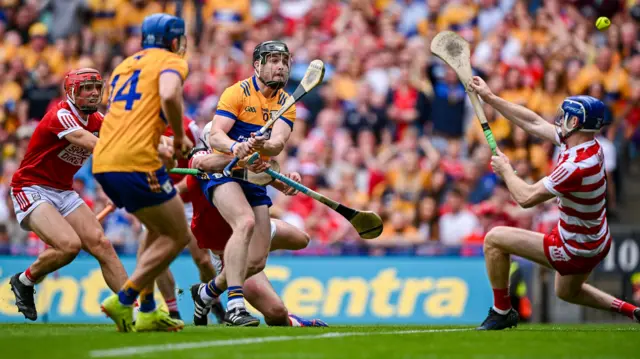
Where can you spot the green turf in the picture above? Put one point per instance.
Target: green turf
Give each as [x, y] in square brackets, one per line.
[24, 341]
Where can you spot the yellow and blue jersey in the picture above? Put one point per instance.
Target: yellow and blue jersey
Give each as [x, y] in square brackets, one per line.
[244, 103]
[134, 122]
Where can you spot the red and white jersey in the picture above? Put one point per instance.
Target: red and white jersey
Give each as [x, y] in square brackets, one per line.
[579, 182]
[51, 160]
[193, 132]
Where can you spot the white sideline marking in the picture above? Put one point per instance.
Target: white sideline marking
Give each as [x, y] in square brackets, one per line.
[146, 349]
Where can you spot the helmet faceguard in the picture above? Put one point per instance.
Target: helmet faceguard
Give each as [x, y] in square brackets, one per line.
[273, 63]
[84, 89]
[589, 111]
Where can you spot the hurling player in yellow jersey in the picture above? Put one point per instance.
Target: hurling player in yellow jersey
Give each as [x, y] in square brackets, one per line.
[146, 96]
[244, 108]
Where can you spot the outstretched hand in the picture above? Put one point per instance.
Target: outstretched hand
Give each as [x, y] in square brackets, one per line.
[500, 164]
[480, 87]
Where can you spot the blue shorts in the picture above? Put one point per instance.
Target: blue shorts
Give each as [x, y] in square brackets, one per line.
[256, 195]
[136, 190]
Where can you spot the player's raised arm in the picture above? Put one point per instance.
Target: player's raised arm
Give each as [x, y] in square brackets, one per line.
[523, 117]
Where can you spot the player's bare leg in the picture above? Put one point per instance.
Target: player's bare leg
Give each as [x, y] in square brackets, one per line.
[167, 287]
[169, 222]
[500, 243]
[256, 261]
[288, 237]
[150, 319]
[235, 209]
[202, 259]
[64, 244]
[167, 284]
[573, 289]
[261, 295]
[91, 234]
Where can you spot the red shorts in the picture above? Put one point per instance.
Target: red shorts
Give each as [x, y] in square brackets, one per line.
[208, 226]
[566, 263]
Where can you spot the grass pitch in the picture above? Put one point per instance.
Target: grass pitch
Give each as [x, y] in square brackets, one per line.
[26, 341]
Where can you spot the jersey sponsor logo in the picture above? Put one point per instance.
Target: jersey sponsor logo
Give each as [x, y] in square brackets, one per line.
[558, 254]
[250, 109]
[74, 155]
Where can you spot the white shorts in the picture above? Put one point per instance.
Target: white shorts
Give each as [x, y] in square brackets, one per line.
[188, 211]
[217, 260]
[26, 199]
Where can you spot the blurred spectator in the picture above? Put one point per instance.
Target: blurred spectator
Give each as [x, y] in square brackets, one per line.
[458, 222]
[39, 91]
[67, 16]
[389, 130]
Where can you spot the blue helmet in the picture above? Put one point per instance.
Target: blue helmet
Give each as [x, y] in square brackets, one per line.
[159, 30]
[589, 110]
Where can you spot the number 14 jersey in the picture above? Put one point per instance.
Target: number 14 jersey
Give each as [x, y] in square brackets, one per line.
[134, 122]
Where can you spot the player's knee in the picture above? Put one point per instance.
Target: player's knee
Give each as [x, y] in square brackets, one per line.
[70, 248]
[566, 293]
[276, 314]
[301, 241]
[100, 246]
[203, 262]
[184, 238]
[245, 225]
[493, 238]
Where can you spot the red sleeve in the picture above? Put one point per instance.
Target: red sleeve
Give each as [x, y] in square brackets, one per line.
[191, 130]
[62, 122]
[564, 179]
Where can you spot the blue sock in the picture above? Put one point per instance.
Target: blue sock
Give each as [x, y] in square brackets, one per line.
[148, 304]
[128, 294]
[212, 289]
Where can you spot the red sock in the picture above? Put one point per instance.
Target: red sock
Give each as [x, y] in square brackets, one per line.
[172, 305]
[501, 299]
[29, 276]
[623, 307]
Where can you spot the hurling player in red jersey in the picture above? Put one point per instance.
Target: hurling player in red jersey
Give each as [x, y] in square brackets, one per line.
[41, 189]
[201, 257]
[581, 240]
[213, 232]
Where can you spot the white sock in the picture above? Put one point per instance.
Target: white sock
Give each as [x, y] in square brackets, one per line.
[24, 280]
[500, 311]
[206, 298]
[294, 322]
[235, 303]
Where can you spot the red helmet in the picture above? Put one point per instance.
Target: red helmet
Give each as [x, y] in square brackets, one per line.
[91, 81]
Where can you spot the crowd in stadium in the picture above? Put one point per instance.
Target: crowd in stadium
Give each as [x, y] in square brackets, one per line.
[390, 130]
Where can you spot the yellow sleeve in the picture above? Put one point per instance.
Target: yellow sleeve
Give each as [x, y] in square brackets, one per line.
[230, 103]
[289, 116]
[176, 65]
